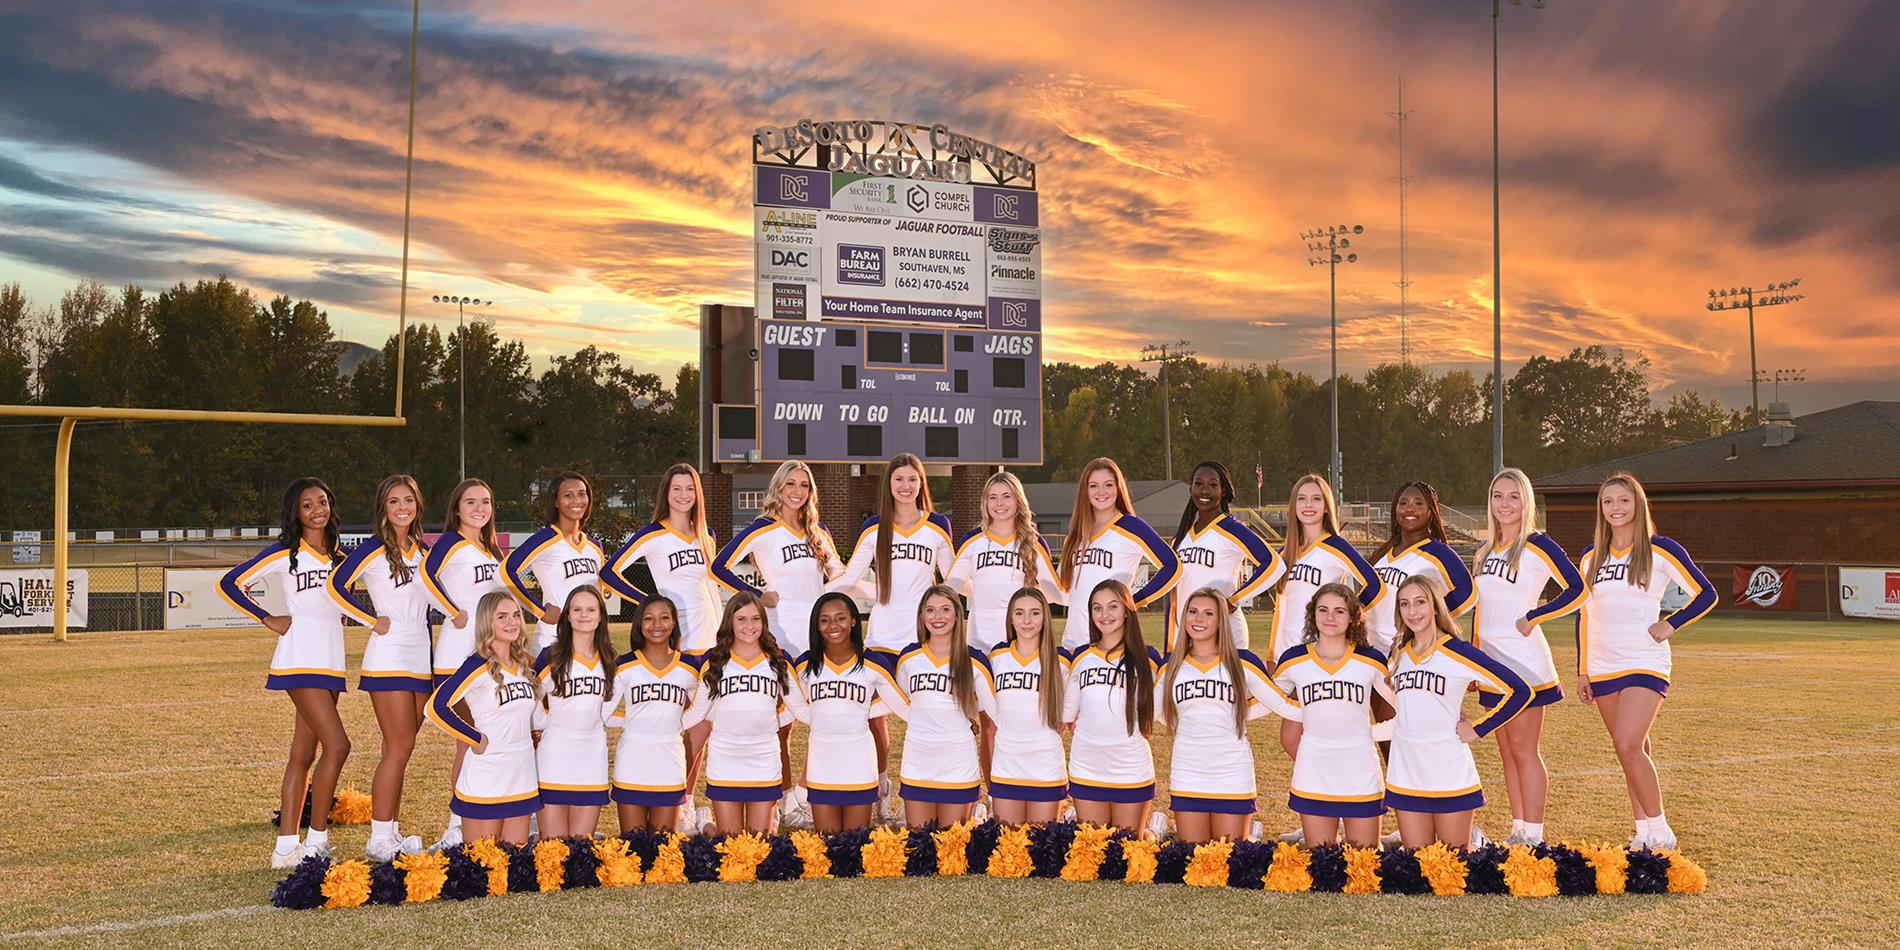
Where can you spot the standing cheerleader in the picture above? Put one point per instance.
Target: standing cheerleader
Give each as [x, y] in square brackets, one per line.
[1004, 556]
[308, 662]
[396, 669]
[841, 689]
[1108, 542]
[1623, 650]
[1214, 546]
[1512, 567]
[1415, 545]
[744, 684]
[678, 549]
[1431, 780]
[575, 675]
[655, 683]
[1315, 556]
[463, 566]
[1333, 676]
[561, 555]
[951, 692]
[1029, 774]
[1208, 691]
[910, 545]
[489, 704]
[1111, 700]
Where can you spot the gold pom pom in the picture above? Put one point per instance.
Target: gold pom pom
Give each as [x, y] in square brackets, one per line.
[1140, 853]
[550, 864]
[886, 854]
[1685, 876]
[1011, 857]
[1208, 866]
[423, 876]
[1527, 875]
[740, 856]
[1291, 871]
[811, 849]
[619, 866]
[953, 856]
[1362, 870]
[346, 884]
[351, 807]
[1086, 852]
[1443, 868]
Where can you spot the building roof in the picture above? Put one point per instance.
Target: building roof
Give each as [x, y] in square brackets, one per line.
[1158, 502]
[1855, 444]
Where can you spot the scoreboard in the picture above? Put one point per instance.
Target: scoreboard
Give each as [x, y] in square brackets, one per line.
[843, 391]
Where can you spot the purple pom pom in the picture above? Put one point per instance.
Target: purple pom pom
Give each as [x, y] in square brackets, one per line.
[467, 878]
[523, 877]
[1328, 869]
[1575, 876]
[783, 863]
[1399, 873]
[303, 889]
[1171, 862]
[982, 845]
[583, 866]
[388, 884]
[702, 857]
[1247, 866]
[1114, 859]
[920, 852]
[1648, 872]
[1049, 848]
[846, 850]
[1484, 870]
[645, 843]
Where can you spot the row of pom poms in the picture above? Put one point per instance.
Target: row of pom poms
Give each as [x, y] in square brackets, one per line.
[1064, 850]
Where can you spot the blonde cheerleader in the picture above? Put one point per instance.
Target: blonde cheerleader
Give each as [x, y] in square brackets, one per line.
[463, 566]
[488, 705]
[1004, 556]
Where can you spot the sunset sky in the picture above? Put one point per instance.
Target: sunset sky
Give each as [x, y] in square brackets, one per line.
[585, 163]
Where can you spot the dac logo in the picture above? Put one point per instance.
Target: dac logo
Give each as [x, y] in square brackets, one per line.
[1005, 207]
[1015, 314]
[918, 198]
[793, 187]
[790, 258]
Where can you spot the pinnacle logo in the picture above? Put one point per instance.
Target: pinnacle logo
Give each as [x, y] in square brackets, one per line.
[793, 187]
[917, 198]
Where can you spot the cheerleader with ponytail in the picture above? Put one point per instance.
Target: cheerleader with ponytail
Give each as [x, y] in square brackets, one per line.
[1006, 555]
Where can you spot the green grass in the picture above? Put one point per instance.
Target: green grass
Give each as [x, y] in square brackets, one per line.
[138, 773]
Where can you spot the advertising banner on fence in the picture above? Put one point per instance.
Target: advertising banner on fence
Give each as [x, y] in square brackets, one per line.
[27, 600]
[1763, 587]
[1871, 592]
[192, 601]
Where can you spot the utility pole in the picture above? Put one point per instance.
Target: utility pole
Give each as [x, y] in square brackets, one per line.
[1748, 298]
[1164, 354]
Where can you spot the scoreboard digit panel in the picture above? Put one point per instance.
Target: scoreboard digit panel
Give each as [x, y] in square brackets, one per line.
[862, 392]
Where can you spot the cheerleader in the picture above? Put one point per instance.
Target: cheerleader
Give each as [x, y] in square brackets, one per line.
[909, 543]
[575, 676]
[843, 690]
[1214, 546]
[396, 668]
[489, 705]
[463, 566]
[1315, 555]
[1108, 542]
[1513, 566]
[1431, 780]
[561, 555]
[308, 662]
[1415, 545]
[1110, 699]
[950, 690]
[1208, 691]
[678, 549]
[653, 767]
[1029, 774]
[1622, 649]
[1333, 676]
[1004, 556]
[744, 684]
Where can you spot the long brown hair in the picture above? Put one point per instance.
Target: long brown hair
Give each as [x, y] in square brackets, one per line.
[1434, 521]
[1138, 680]
[1024, 529]
[1291, 549]
[452, 522]
[1082, 517]
[1442, 623]
[519, 653]
[723, 640]
[561, 653]
[1048, 655]
[1229, 657]
[1355, 615]
[1641, 551]
[663, 510]
[386, 532]
[887, 516]
[962, 673]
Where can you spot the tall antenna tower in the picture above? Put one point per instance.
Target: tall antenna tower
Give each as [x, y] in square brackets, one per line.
[1405, 278]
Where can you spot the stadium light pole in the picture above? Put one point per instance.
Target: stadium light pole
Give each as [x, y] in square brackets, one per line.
[1326, 243]
[1497, 256]
[1165, 353]
[1748, 298]
[1782, 376]
[461, 337]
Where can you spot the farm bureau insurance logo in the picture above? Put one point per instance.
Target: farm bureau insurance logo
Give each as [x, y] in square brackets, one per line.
[1764, 587]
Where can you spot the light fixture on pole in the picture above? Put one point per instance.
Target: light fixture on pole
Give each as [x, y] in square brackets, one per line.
[1325, 245]
[1779, 376]
[1165, 353]
[1497, 257]
[461, 336]
[1748, 298]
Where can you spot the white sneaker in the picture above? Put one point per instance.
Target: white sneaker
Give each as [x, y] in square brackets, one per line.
[1663, 842]
[1638, 842]
[1296, 836]
[411, 844]
[1478, 838]
[451, 837]
[382, 849]
[980, 813]
[1158, 825]
[1255, 830]
[688, 822]
[280, 860]
[788, 804]
[315, 851]
[1068, 812]
[702, 816]
[1391, 840]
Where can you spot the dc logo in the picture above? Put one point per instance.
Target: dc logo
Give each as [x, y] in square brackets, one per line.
[1015, 314]
[1005, 207]
[792, 187]
[918, 198]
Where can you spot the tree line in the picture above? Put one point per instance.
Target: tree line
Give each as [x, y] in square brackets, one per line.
[214, 345]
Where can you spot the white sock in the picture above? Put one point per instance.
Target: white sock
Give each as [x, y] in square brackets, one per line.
[286, 843]
[317, 839]
[382, 829]
[1659, 829]
[1517, 827]
[1642, 828]
[455, 822]
[1533, 831]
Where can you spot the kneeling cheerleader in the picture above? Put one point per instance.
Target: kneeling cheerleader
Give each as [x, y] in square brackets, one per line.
[1110, 698]
[1431, 780]
[1333, 676]
[575, 675]
[951, 693]
[744, 685]
[655, 683]
[1029, 771]
[844, 689]
[489, 704]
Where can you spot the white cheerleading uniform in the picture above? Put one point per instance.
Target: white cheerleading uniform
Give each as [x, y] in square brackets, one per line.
[789, 566]
[397, 660]
[1336, 767]
[940, 758]
[1116, 554]
[1434, 559]
[571, 758]
[1212, 767]
[501, 781]
[917, 558]
[1429, 768]
[1614, 648]
[1331, 559]
[1027, 762]
[310, 653]
[1214, 558]
[1107, 761]
[680, 574]
[559, 565]
[650, 760]
[840, 756]
[457, 573]
[989, 569]
[742, 751]
[1507, 594]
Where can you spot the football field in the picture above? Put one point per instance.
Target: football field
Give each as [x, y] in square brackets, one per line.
[138, 774]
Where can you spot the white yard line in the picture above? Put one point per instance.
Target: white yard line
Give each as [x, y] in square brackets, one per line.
[121, 926]
[1738, 760]
[127, 773]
